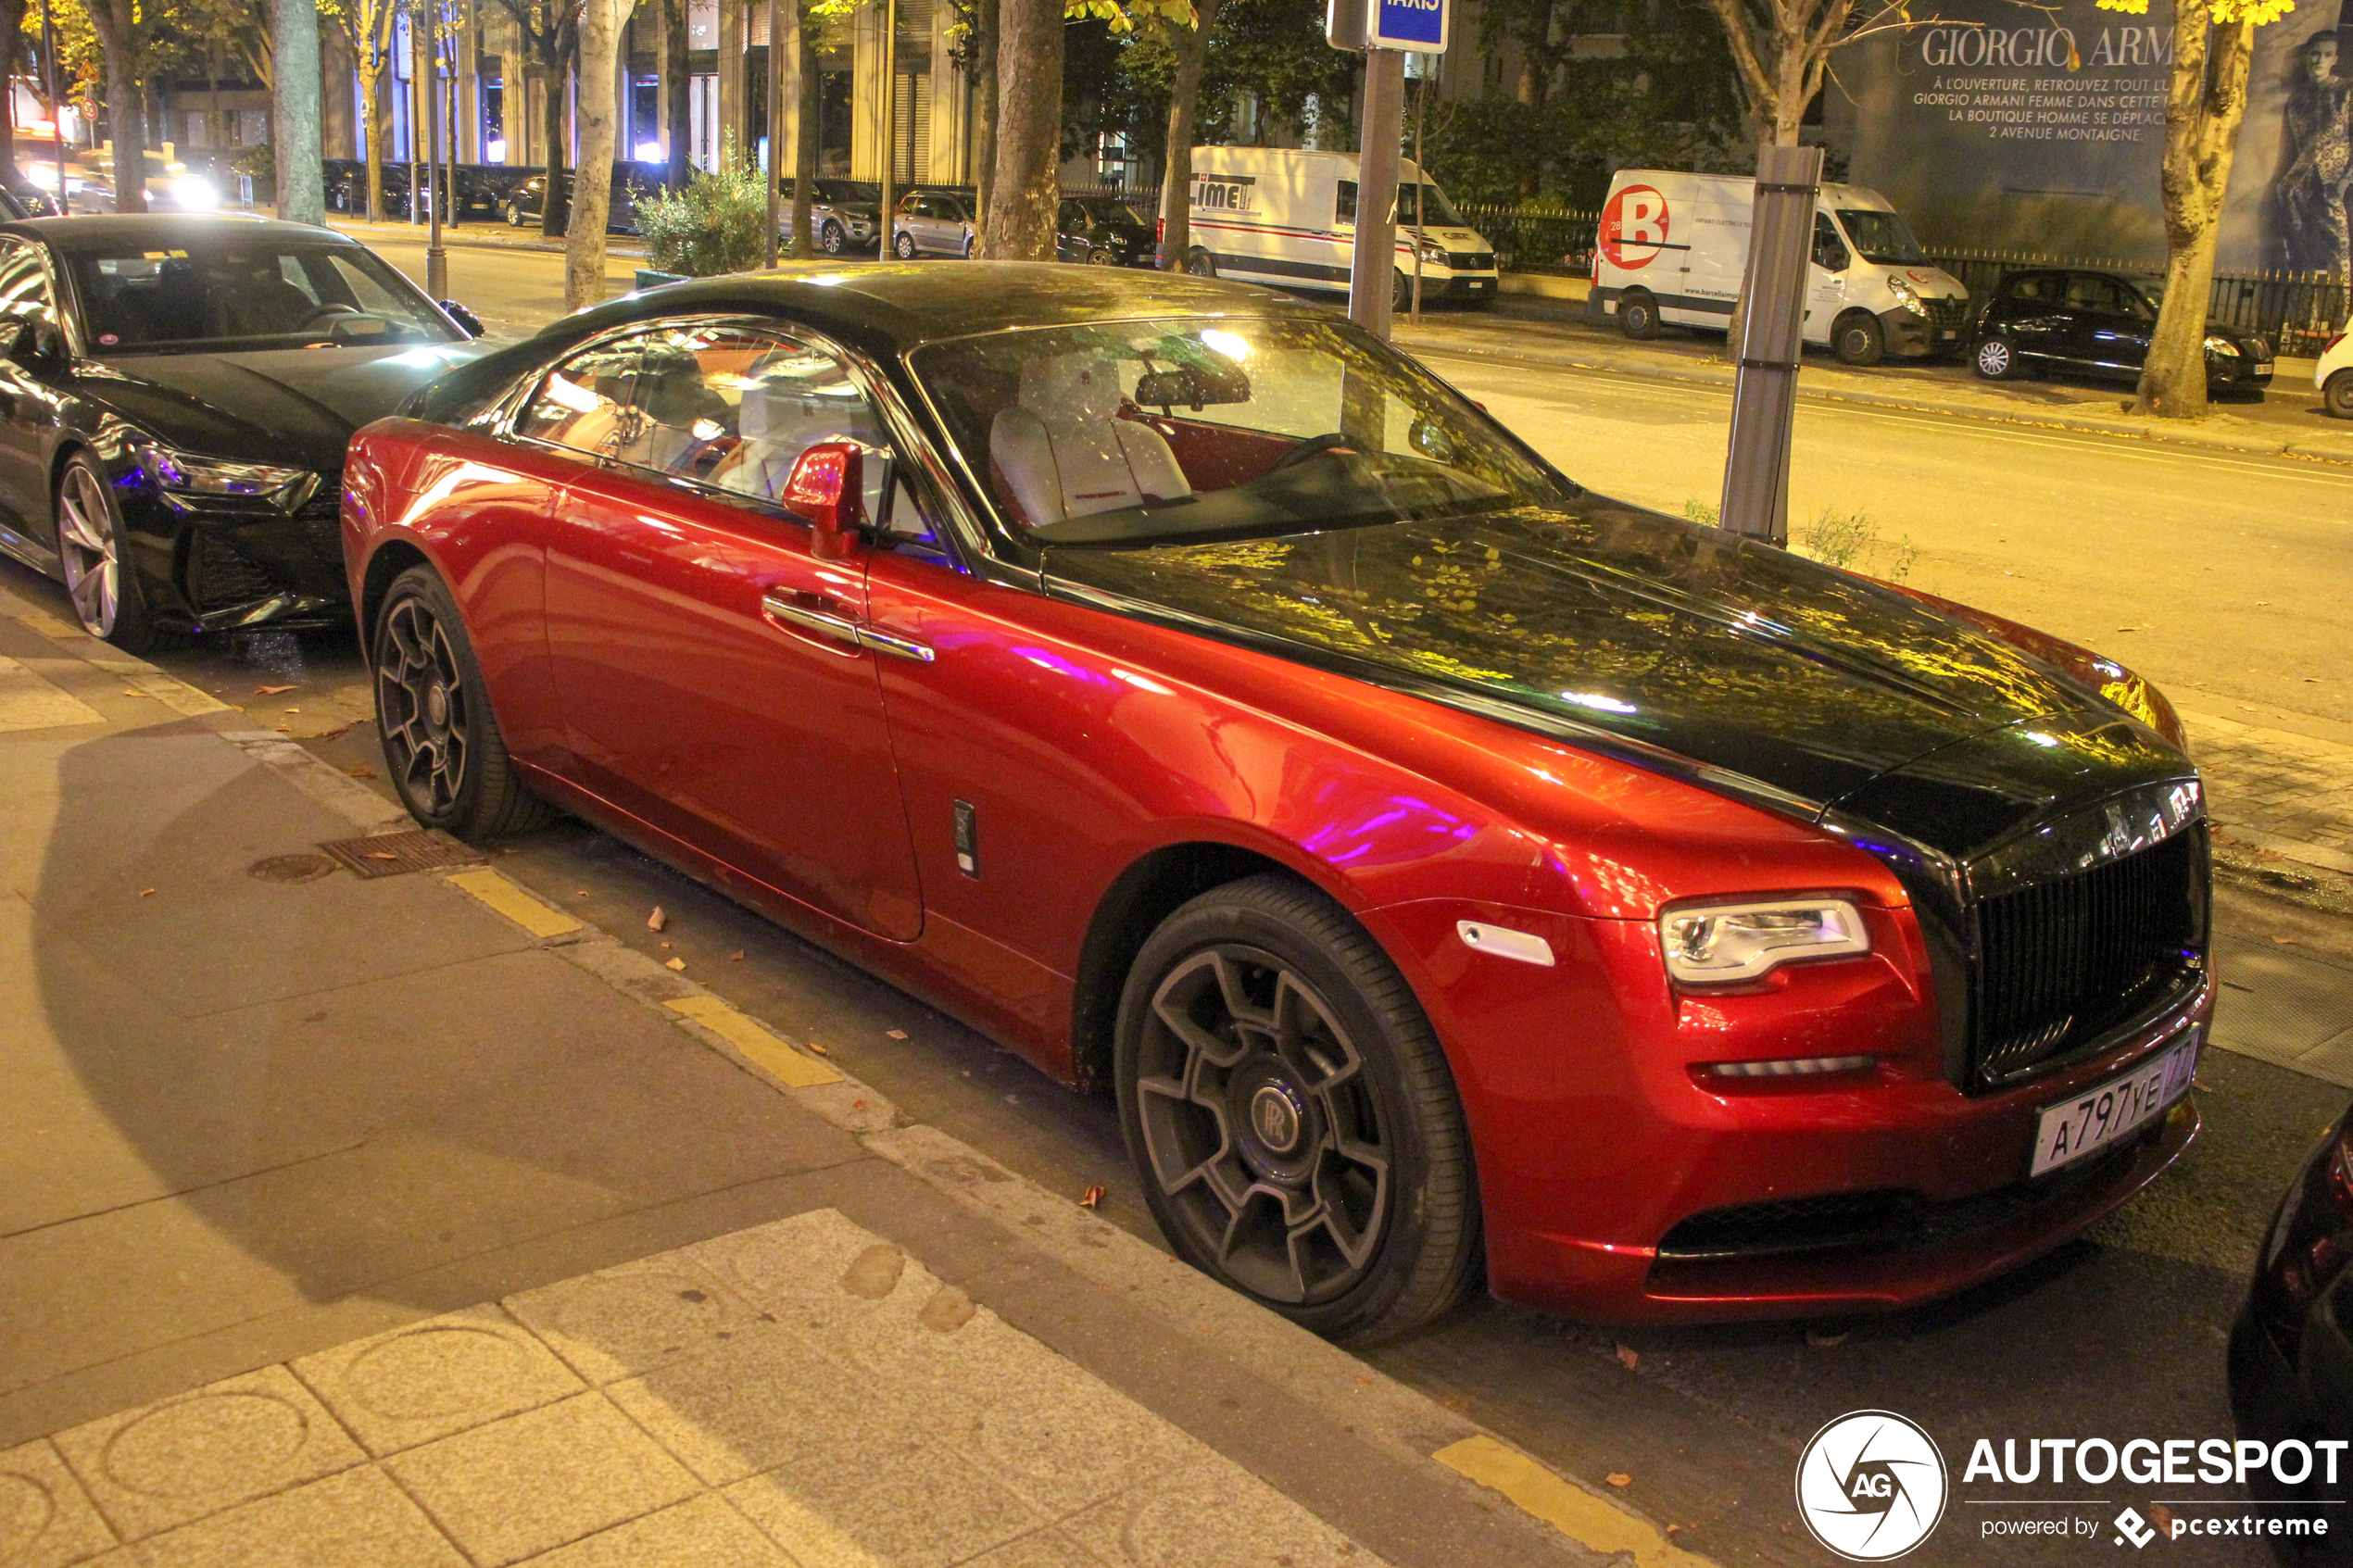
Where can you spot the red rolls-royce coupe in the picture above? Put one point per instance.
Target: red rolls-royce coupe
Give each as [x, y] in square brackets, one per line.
[1449, 869]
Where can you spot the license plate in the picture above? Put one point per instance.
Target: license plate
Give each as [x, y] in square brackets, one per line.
[2107, 1113]
[1950, 332]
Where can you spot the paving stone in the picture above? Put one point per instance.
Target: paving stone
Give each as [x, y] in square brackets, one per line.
[47, 1520]
[530, 1483]
[1047, 1548]
[755, 1404]
[357, 1519]
[625, 1322]
[184, 1459]
[1212, 1514]
[795, 1269]
[910, 1502]
[705, 1533]
[430, 1379]
[1063, 1440]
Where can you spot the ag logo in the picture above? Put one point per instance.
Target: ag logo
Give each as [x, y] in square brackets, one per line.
[1870, 1485]
[1634, 227]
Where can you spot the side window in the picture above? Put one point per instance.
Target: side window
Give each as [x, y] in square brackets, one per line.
[1830, 251]
[1073, 215]
[24, 288]
[1345, 212]
[582, 402]
[735, 408]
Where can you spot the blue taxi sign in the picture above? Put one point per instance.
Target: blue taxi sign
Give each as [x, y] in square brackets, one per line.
[1417, 25]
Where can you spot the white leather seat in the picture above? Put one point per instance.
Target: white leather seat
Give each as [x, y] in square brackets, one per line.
[783, 416]
[1063, 450]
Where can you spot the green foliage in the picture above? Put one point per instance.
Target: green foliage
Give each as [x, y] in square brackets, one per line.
[256, 159]
[1702, 512]
[718, 222]
[1274, 49]
[1851, 542]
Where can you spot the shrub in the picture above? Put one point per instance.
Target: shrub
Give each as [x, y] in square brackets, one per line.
[717, 224]
[254, 158]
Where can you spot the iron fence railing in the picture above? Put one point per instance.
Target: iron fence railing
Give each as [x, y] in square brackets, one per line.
[2298, 312]
[1536, 237]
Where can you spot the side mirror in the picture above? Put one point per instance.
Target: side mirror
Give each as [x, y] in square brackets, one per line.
[828, 488]
[466, 319]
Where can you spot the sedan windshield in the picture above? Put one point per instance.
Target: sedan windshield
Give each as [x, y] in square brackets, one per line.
[1139, 433]
[261, 295]
[1880, 237]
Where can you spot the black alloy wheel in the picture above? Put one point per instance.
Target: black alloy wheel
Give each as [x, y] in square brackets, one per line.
[1637, 315]
[2337, 396]
[441, 742]
[1291, 1116]
[101, 578]
[1858, 338]
[1997, 360]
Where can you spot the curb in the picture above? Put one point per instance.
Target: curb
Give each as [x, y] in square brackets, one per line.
[1407, 1426]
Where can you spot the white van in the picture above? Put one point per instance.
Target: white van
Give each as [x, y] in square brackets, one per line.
[1276, 215]
[1673, 247]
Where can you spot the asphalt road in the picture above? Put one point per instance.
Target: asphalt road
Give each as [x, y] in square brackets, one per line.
[2234, 567]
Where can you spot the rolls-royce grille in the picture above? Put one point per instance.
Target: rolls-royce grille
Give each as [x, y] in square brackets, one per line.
[2065, 961]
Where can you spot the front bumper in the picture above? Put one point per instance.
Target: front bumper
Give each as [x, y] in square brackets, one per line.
[229, 568]
[1598, 1143]
[1912, 335]
[1456, 285]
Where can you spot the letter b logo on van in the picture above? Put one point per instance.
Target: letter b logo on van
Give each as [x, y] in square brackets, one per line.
[1634, 227]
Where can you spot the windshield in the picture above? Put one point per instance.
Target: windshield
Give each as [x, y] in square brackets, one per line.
[1118, 212]
[260, 294]
[1138, 433]
[1881, 237]
[839, 191]
[1436, 208]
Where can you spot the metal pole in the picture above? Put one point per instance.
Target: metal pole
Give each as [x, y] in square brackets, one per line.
[1421, 180]
[1372, 274]
[436, 258]
[775, 116]
[56, 104]
[888, 244]
[1756, 499]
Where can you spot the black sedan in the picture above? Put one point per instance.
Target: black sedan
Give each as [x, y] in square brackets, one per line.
[2098, 324]
[1104, 234]
[2292, 1349]
[177, 394]
[527, 202]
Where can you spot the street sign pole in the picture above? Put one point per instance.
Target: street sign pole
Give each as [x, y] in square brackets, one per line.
[1780, 239]
[1388, 27]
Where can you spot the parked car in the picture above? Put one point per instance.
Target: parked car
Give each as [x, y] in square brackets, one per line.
[2332, 377]
[1672, 247]
[1103, 233]
[2291, 1358]
[171, 186]
[1432, 855]
[844, 214]
[932, 222]
[179, 390]
[2098, 324]
[526, 202]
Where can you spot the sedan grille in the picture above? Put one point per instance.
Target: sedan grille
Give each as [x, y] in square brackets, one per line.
[220, 579]
[2063, 964]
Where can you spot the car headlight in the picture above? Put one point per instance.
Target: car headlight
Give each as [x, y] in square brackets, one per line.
[2223, 346]
[184, 473]
[1433, 252]
[1907, 297]
[1712, 944]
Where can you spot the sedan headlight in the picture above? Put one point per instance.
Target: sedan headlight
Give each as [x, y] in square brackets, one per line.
[2223, 347]
[187, 474]
[1715, 943]
[1905, 295]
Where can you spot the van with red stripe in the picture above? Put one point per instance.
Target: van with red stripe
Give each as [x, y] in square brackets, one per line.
[1280, 215]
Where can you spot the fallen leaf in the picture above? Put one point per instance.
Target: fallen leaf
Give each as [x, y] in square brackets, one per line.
[294, 709]
[362, 772]
[135, 694]
[270, 691]
[896, 1034]
[1627, 1356]
[675, 963]
[331, 734]
[1618, 1478]
[2201, 1084]
[857, 1105]
[283, 730]
[656, 921]
[581, 893]
[2286, 941]
[665, 945]
[1092, 1197]
[146, 892]
[819, 1050]
[1821, 1341]
[735, 957]
[1673, 1528]
[378, 855]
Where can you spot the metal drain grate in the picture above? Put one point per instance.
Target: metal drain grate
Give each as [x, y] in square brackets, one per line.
[395, 854]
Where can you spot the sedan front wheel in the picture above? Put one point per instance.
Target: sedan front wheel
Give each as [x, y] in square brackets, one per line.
[1291, 1115]
[101, 579]
[441, 742]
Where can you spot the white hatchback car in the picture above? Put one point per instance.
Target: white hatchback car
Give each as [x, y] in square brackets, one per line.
[2334, 376]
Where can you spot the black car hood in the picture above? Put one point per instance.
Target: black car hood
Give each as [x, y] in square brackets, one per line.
[293, 406]
[1765, 673]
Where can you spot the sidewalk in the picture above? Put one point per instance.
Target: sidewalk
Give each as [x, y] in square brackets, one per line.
[407, 1220]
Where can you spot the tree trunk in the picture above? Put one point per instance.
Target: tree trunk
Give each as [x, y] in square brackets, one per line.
[372, 83]
[734, 43]
[804, 146]
[2202, 114]
[677, 117]
[294, 112]
[126, 119]
[1191, 45]
[985, 100]
[1027, 190]
[592, 181]
[12, 44]
[551, 126]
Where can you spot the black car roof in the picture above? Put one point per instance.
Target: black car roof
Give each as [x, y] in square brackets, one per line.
[97, 229]
[898, 305]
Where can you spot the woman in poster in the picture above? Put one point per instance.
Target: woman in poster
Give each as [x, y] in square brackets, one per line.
[2316, 175]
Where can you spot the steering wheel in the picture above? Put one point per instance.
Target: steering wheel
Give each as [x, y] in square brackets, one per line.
[325, 310]
[1314, 447]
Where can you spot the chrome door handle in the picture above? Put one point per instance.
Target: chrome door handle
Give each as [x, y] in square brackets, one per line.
[833, 628]
[892, 643]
